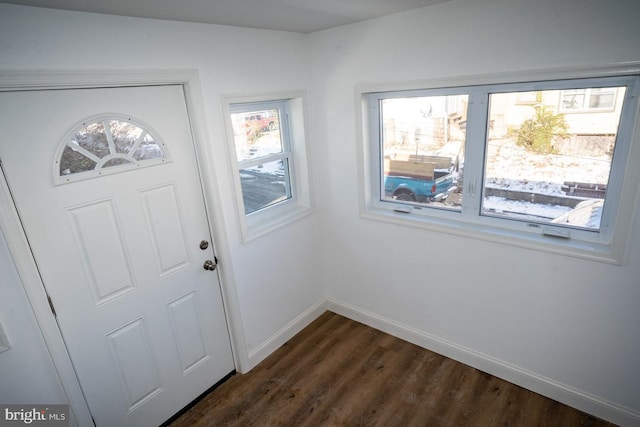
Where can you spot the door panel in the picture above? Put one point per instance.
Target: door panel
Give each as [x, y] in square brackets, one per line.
[166, 227]
[134, 361]
[101, 249]
[187, 333]
[119, 253]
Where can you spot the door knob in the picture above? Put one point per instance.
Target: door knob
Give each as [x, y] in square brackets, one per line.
[209, 265]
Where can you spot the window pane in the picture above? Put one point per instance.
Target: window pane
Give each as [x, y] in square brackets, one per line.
[547, 167]
[257, 133]
[72, 161]
[573, 99]
[115, 162]
[265, 185]
[601, 98]
[92, 138]
[423, 149]
[125, 135]
[148, 149]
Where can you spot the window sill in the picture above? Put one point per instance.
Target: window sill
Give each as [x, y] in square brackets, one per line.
[263, 222]
[610, 253]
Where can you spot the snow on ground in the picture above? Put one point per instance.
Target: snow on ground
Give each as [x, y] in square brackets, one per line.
[512, 167]
[268, 143]
[500, 205]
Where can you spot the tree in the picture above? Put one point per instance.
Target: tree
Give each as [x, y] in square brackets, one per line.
[254, 131]
[539, 132]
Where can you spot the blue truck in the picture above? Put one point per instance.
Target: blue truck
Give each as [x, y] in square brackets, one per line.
[416, 178]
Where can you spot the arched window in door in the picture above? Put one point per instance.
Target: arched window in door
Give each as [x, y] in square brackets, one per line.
[107, 144]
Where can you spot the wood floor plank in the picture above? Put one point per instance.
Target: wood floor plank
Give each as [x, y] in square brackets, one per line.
[338, 372]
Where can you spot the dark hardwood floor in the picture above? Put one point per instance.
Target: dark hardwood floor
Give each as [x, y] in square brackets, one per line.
[338, 372]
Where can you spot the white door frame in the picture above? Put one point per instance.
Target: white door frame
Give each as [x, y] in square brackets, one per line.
[13, 232]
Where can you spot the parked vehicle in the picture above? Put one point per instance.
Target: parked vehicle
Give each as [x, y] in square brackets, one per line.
[419, 179]
[262, 120]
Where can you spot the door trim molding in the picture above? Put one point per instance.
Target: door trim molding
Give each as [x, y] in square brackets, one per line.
[11, 227]
[18, 245]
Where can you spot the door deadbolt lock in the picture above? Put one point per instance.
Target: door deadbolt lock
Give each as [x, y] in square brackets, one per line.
[209, 265]
[204, 245]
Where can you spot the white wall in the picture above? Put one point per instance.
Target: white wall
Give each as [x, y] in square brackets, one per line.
[565, 326]
[544, 318]
[26, 369]
[278, 277]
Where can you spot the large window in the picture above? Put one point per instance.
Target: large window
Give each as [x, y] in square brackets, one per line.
[509, 160]
[269, 154]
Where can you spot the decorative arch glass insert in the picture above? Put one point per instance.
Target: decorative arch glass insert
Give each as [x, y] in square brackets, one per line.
[105, 145]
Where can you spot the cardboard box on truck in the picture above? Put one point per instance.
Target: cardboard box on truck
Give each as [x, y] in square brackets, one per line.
[415, 166]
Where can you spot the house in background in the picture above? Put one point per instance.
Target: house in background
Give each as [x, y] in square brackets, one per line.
[561, 323]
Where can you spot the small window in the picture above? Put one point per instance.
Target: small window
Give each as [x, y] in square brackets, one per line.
[588, 99]
[269, 154]
[263, 151]
[503, 159]
[106, 145]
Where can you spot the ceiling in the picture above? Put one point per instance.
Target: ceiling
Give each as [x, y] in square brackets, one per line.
[303, 16]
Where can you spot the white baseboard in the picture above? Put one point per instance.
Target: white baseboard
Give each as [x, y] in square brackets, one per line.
[531, 381]
[259, 353]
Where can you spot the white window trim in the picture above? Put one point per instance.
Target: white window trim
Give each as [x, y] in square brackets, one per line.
[300, 204]
[610, 250]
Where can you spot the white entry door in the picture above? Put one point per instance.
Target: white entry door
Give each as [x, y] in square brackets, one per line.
[107, 187]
